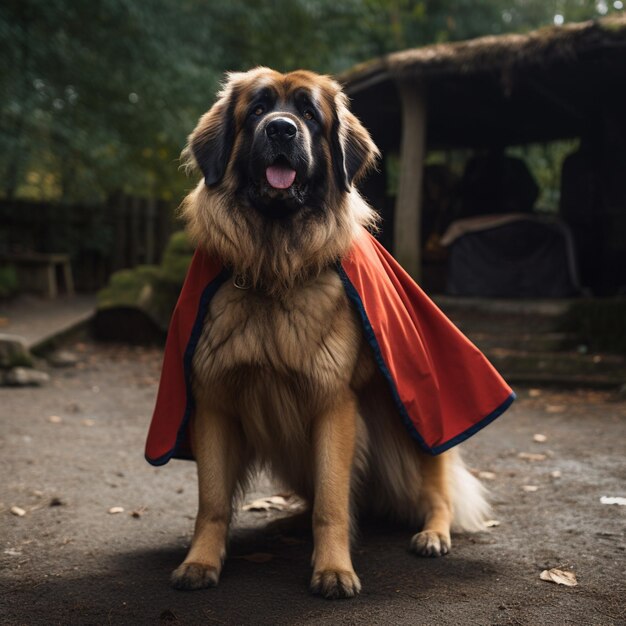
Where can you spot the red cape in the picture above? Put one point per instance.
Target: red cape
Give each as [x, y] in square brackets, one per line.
[444, 388]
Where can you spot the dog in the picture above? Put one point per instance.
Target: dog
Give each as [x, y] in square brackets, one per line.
[282, 374]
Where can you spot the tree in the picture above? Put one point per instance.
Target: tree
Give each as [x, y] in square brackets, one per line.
[100, 94]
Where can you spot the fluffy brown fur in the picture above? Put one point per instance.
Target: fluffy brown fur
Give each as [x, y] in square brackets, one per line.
[282, 376]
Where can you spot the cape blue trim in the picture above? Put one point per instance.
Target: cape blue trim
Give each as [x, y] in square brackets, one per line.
[472, 430]
[354, 296]
[206, 297]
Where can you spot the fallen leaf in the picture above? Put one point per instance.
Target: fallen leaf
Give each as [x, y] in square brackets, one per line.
[257, 557]
[12, 552]
[539, 438]
[487, 475]
[532, 456]
[613, 500]
[555, 408]
[559, 576]
[55, 419]
[16, 510]
[491, 523]
[266, 504]
[276, 503]
[530, 488]
[116, 509]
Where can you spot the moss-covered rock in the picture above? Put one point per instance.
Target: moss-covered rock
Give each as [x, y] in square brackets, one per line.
[13, 352]
[146, 292]
[177, 257]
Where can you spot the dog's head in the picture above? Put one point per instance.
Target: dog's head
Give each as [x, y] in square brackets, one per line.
[283, 152]
[282, 140]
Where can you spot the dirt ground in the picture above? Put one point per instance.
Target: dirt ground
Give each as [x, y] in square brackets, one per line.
[74, 449]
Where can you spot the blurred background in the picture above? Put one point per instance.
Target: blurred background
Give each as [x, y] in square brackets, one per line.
[99, 96]
[507, 184]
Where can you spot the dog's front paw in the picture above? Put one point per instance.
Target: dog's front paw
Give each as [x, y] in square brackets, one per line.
[333, 584]
[194, 576]
[430, 543]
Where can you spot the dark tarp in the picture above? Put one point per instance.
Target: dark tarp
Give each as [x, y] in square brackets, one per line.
[527, 257]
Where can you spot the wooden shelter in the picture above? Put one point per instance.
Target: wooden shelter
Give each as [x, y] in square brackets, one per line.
[496, 91]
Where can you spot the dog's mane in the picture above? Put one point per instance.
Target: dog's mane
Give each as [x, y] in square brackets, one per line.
[274, 255]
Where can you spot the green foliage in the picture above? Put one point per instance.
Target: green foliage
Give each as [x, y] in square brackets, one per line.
[545, 162]
[8, 281]
[99, 95]
[177, 257]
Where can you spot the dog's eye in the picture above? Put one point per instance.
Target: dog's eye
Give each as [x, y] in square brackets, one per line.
[308, 115]
[259, 110]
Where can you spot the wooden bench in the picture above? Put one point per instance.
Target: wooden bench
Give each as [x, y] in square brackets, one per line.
[38, 272]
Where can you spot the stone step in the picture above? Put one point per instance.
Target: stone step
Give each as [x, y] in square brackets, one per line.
[543, 308]
[504, 318]
[565, 367]
[525, 341]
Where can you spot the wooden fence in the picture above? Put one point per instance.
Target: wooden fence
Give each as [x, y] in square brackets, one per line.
[100, 239]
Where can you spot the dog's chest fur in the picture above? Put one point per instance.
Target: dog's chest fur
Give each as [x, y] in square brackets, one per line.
[275, 363]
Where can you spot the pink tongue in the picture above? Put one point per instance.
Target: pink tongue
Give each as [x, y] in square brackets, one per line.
[280, 177]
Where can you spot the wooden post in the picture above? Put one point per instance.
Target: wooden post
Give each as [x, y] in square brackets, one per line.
[165, 221]
[118, 204]
[150, 224]
[135, 248]
[408, 211]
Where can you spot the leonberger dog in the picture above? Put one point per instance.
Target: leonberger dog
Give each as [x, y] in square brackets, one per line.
[282, 375]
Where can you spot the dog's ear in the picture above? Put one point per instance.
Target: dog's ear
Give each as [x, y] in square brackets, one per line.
[209, 146]
[353, 152]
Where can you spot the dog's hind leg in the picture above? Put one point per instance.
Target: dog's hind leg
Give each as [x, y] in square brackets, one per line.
[218, 448]
[334, 442]
[414, 487]
[435, 507]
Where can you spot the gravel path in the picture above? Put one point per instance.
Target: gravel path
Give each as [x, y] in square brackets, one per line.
[73, 450]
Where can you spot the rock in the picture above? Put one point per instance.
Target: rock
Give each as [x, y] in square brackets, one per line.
[25, 377]
[136, 305]
[13, 352]
[63, 358]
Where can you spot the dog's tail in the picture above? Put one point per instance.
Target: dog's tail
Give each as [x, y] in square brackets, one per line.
[469, 502]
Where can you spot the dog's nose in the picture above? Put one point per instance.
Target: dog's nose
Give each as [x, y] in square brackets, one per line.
[281, 128]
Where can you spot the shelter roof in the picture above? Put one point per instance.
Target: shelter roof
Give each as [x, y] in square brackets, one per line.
[499, 90]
